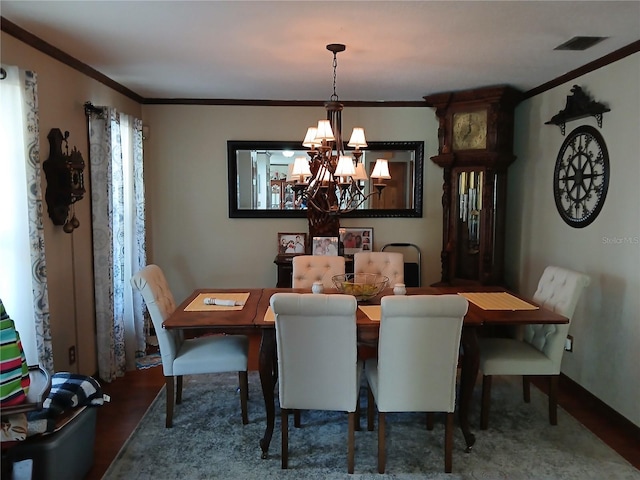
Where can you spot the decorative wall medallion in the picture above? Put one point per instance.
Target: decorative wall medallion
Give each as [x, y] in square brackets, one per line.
[581, 176]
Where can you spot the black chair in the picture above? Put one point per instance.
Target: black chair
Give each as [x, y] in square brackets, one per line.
[412, 261]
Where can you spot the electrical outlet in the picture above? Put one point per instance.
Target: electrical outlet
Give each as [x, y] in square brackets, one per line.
[568, 343]
[72, 354]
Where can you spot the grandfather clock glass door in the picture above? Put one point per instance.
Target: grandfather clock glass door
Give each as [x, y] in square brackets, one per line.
[468, 224]
[477, 226]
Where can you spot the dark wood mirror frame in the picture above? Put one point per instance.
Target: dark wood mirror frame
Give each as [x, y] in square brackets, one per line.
[233, 146]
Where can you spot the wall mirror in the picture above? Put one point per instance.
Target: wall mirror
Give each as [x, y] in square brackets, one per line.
[259, 187]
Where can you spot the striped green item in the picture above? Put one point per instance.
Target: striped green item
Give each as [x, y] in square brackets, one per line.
[14, 372]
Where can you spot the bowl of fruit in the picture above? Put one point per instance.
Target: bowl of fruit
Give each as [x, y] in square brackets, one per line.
[363, 286]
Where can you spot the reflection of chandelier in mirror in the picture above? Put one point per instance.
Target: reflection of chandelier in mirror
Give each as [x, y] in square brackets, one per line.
[330, 181]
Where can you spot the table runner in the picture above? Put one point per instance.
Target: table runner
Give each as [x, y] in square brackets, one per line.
[497, 301]
[198, 305]
[269, 316]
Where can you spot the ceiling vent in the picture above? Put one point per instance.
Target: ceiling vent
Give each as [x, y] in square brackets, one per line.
[580, 43]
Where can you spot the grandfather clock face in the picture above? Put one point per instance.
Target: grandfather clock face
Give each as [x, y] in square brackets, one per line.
[469, 130]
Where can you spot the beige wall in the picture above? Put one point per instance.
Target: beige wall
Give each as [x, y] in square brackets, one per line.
[606, 325]
[62, 92]
[192, 237]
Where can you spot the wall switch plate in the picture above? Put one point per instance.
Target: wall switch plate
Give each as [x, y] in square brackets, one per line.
[568, 343]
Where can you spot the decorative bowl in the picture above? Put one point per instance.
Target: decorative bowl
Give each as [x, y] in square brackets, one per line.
[363, 286]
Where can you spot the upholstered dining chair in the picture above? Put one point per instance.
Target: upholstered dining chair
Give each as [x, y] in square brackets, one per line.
[390, 264]
[308, 269]
[317, 359]
[417, 362]
[180, 356]
[540, 350]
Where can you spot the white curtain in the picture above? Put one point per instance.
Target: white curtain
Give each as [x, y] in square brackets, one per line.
[117, 199]
[23, 278]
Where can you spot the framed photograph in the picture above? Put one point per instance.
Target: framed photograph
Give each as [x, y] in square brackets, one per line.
[327, 246]
[356, 239]
[290, 244]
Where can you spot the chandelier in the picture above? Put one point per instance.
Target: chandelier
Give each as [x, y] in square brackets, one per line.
[329, 180]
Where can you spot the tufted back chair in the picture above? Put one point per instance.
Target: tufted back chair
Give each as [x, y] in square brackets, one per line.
[308, 269]
[206, 354]
[417, 361]
[390, 264]
[318, 366]
[540, 350]
[558, 290]
[153, 286]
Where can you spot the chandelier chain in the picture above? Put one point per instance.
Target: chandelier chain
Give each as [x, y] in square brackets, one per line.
[334, 97]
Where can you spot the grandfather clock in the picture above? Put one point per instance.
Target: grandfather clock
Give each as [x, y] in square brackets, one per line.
[475, 140]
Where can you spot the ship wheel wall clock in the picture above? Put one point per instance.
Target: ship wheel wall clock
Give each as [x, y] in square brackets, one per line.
[581, 176]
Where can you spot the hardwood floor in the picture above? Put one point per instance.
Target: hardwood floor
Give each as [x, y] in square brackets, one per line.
[132, 395]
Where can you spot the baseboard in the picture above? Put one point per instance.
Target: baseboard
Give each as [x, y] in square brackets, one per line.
[574, 389]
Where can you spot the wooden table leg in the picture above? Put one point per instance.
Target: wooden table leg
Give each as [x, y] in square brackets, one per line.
[468, 375]
[268, 372]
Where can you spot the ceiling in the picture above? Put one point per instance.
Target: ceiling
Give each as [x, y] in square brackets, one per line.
[275, 50]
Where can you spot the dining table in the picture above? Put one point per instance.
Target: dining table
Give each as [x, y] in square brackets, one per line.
[255, 316]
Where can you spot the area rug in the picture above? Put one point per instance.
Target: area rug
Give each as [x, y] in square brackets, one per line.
[208, 441]
[148, 361]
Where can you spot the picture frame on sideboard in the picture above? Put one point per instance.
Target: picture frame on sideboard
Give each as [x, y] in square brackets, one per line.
[292, 244]
[327, 246]
[356, 239]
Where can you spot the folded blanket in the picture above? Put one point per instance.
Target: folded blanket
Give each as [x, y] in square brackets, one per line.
[68, 390]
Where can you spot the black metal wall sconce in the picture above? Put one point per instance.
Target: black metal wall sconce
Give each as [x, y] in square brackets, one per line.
[65, 181]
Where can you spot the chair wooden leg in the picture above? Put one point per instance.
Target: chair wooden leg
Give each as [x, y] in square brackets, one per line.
[382, 459]
[430, 418]
[486, 399]
[553, 399]
[296, 418]
[357, 414]
[170, 397]
[370, 405]
[526, 388]
[351, 443]
[284, 421]
[178, 389]
[448, 443]
[244, 395]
